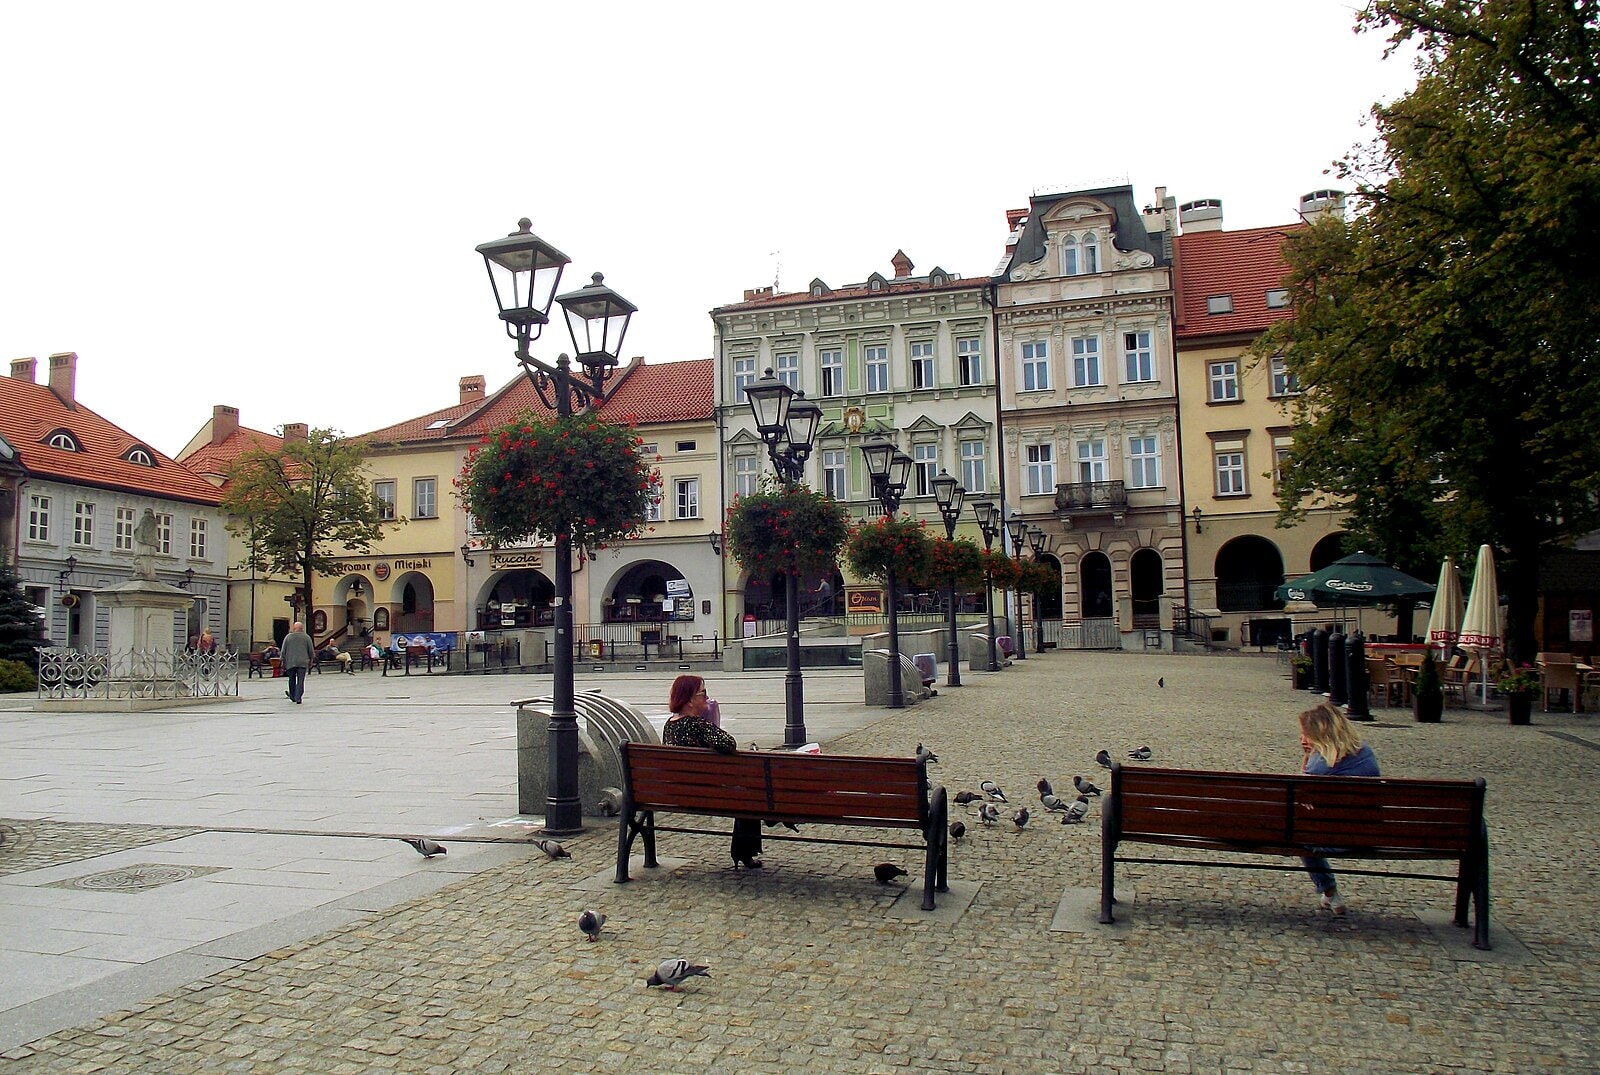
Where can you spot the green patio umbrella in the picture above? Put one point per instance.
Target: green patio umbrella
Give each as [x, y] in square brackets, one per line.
[1356, 580]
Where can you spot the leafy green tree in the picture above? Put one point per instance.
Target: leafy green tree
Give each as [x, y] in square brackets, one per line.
[303, 505]
[1444, 338]
[21, 629]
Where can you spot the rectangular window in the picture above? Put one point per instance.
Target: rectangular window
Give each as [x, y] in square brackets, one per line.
[688, 498]
[787, 367]
[1035, 365]
[38, 517]
[1144, 463]
[1069, 258]
[1040, 469]
[973, 476]
[1086, 361]
[1219, 304]
[831, 365]
[383, 493]
[922, 364]
[197, 539]
[969, 359]
[425, 498]
[746, 474]
[164, 534]
[1277, 298]
[684, 446]
[652, 505]
[744, 375]
[122, 529]
[1091, 461]
[1224, 381]
[1230, 473]
[1137, 365]
[877, 369]
[1280, 464]
[833, 473]
[925, 459]
[83, 523]
[1283, 382]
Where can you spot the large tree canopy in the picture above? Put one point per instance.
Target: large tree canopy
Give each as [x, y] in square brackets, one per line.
[1445, 338]
[300, 507]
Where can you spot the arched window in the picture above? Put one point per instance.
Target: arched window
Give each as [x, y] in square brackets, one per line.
[64, 440]
[1094, 571]
[1249, 571]
[1089, 254]
[140, 455]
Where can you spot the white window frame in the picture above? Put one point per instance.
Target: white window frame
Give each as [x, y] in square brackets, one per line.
[1228, 467]
[1092, 460]
[83, 524]
[974, 466]
[969, 360]
[1039, 468]
[744, 375]
[833, 473]
[1222, 381]
[198, 533]
[746, 474]
[922, 372]
[38, 517]
[830, 371]
[876, 359]
[164, 533]
[1089, 255]
[425, 506]
[925, 463]
[652, 503]
[1138, 359]
[1280, 457]
[786, 365]
[384, 493]
[1086, 361]
[1144, 462]
[1035, 359]
[122, 527]
[1283, 379]
[688, 498]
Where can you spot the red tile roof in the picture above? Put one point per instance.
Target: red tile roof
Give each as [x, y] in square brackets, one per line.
[217, 459]
[30, 412]
[1244, 264]
[422, 427]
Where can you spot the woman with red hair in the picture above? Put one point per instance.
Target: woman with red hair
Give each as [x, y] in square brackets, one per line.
[688, 727]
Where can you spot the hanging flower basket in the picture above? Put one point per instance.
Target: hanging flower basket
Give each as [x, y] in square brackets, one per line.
[540, 477]
[958, 562]
[1039, 579]
[879, 545]
[1003, 570]
[783, 527]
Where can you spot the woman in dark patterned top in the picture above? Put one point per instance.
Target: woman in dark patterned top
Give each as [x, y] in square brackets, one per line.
[688, 727]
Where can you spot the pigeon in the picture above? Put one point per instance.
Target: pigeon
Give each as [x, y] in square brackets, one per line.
[1054, 802]
[1020, 819]
[965, 797]
[1141, 754]
[1076, 812]
[1045, 788]
[991, 789]
[957, 830]
[425, 847]
[791, 826]
[1103, 759]
[925, 754]
[551, 848]
[988, 813]
[886, 872]
[1162, 682]
[1085, 787]
[673, 972]
[590, 922]
[610, 804]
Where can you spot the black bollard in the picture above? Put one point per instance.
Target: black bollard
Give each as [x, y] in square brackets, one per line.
[1337, 692]
[1355, 659]
[1319, 660]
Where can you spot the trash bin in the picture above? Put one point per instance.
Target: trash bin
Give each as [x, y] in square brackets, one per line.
[597, 648]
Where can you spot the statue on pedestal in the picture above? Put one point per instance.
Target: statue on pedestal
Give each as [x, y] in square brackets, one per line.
[146, 543]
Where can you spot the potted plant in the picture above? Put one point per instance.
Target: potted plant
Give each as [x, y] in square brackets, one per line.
[1518, 685]
[1303, 670]
[1427, 699]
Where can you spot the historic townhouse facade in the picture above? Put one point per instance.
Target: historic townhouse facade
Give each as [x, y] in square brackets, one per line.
[85, 485]
[1089, 393]
[903, 357]
[1237, 427]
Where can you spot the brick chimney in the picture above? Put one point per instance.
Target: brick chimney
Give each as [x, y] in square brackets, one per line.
[472, 388]
[224, 422]
[23, 369]
[64, 375]
[296, 432]
[753, 293]
[902, 265]
[1015, 217]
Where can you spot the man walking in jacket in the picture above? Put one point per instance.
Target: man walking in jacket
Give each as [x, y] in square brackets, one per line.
[296, 655]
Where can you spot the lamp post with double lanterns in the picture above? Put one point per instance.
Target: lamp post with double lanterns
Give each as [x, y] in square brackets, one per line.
[1037, 543]
[949, 494]
[988, 517]
[890, 470]
[787, 422]
[524, 271]
[1017, 528]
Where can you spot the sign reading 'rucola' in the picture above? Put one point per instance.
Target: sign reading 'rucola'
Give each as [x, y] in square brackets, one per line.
[503, 561]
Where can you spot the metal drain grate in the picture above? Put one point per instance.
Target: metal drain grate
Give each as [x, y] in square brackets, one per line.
[136, 878]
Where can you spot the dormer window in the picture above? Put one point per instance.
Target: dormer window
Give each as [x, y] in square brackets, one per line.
[819, 289]
[140, 455]
[876, 282]
[64, 440]
[1080, 256]
[1219, 304]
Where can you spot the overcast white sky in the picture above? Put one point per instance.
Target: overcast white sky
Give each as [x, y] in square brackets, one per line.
[275, 205]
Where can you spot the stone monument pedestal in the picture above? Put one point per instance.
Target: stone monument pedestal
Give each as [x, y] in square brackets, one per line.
[142, 614]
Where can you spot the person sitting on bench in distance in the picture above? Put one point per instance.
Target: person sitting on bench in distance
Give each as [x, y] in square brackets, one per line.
[1330, 747]
[688, 727]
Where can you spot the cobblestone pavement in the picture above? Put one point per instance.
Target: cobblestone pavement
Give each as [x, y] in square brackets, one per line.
[35, 844]
[817, 968]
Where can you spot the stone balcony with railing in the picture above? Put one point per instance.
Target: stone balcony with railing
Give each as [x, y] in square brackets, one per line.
[1082, 499]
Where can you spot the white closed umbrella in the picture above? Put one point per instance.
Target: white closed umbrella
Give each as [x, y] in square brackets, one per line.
[1444, 622]
[1480, 628]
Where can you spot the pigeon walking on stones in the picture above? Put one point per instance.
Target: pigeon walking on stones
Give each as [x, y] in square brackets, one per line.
[551, 848]
[886, 872]
[965, 797]
[590, 922]
[1020, 819]
[1085, 787]
[1045, 788]
[674, 972]
[1162, 682]
[925, 754]
[425, 847]
[958, 829]
[1054, 802]
[991, 789]
[1103, 759]
[988, 813]
[1141, 754]
[1076, 812]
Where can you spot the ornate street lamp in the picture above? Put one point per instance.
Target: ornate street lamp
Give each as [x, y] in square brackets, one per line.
[787, 422]
[1037, 543]
[1017, 527]
[948, 494]
[988, 517]
[524, 271]
[890, 470]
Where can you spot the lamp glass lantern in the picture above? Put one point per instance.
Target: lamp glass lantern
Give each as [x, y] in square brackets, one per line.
[769, 400]
[985, 510]
[1017, 527]
[597, 319]
[948, 494]
[878, 455]
[800, 425]
[1036, 540]
[524, 271]
[899, 474]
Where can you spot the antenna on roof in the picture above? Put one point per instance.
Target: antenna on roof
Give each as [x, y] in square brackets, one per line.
[777, 266]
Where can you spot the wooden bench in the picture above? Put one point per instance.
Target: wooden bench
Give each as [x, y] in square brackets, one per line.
[1272, 814]
[259, 666]
[780, 787]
